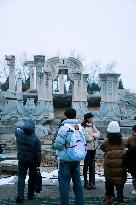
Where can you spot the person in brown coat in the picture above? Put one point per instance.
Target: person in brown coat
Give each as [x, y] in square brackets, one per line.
[114, 169]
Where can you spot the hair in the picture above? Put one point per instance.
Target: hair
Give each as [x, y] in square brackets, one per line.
[83, 124]
[86, 116]
[70, 113]
[134, 128]
[114, 138]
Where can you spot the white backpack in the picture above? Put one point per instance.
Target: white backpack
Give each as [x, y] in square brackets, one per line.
[77, 148]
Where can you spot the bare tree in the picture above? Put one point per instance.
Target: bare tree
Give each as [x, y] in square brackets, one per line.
[3, 70]
[109, 68]
[93, 70]
[77, 55]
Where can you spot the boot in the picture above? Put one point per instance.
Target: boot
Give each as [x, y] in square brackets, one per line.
[92, 186]
[19, 200]
[109, 200]
[87, 186]
[121, 204]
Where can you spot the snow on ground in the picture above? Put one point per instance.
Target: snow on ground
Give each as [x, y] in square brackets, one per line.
[51, 177]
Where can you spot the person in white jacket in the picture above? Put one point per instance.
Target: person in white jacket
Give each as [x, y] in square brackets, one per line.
[92, 136]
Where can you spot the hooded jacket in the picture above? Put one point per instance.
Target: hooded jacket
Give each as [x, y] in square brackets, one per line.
[114, 169]
[63, 139]
[28, 144]
[92, 135]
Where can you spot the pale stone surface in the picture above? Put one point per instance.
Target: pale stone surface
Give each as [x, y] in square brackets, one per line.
[11, 63]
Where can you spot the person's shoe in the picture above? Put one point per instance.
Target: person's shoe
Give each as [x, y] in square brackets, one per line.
[19, 200]
[109, 200]
[30, 197]
[92, 186]
[87, 186]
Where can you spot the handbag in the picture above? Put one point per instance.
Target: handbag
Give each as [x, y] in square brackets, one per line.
[38, 181]
[1, 150]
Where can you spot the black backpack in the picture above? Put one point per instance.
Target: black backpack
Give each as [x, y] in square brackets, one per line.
[38, 181]
[1, 150]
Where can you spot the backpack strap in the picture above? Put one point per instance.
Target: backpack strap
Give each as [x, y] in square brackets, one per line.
[72, 128]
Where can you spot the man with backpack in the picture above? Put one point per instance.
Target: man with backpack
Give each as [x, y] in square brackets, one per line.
[71, 144]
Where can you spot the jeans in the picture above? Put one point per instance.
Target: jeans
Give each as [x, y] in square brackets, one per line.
[68, 171]
[89, 162]
[22, 171]
[110, 191]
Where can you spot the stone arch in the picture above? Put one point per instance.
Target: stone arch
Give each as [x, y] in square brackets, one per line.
[74, 70]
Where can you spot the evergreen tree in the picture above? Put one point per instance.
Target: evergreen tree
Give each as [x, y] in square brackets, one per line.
[93, 87]
[26, 84]
[5, 86]
[120, 85]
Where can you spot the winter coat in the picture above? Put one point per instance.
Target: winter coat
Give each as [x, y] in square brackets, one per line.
[130, 155]
[92, 135]
[63, 139]
[131, 141]
[28, 144]
[114, 169]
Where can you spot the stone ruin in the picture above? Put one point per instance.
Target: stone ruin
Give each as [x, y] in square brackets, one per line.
[115, 104]
[46, 72]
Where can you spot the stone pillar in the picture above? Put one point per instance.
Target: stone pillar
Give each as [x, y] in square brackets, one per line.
[84, 87]
[11, 63]
[109, 108]
[48, 89]
[61, 82]
[39, 62]
[79, 94]
[31, 65]
[109, 87]
[19, 82]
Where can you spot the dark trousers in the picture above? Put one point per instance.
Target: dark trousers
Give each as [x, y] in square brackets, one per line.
[89, 163]
[68, 171]
[110, 191]
[22, 171]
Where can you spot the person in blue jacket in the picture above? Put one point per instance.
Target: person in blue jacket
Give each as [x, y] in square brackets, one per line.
[68, 167]
[28, 155]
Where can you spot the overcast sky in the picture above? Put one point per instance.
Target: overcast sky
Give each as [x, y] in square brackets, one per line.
[96, 29]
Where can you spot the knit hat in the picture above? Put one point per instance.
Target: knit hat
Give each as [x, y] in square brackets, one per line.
[113, 127]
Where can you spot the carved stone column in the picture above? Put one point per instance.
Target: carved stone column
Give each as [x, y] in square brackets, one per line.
[109, 87]
[31, 65]
[39, 62]
[109, 108]
[79, 95]
[61, 82]
[19, 83]
[11, 63]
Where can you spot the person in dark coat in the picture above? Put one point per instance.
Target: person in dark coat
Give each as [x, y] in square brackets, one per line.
[114, 169]
[130, 157]
[28, 155]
